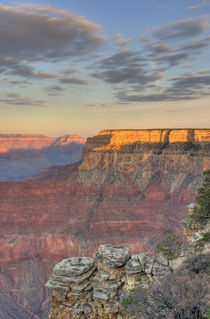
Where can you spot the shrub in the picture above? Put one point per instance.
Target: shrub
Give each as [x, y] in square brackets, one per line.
[170, 247]
[208, 313]
[179, 296]
[197, 263]
[206, 236]
[126, 301]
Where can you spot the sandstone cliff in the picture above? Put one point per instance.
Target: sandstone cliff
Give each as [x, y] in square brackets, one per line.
[22, 156]
[128, 187]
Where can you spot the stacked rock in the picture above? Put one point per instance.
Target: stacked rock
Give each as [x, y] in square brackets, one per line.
[71, 290]
[143, 269]
[79, 291]
[109, 280]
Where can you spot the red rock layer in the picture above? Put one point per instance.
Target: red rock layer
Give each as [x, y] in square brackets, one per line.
[126, 194]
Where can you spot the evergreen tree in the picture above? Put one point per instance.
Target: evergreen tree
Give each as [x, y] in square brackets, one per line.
[201, 214]
[170, 247]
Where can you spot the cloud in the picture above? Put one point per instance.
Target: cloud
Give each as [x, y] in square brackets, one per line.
[73, 80]
[181, 29]
[196, 44]
[198, 6]
[204, 71]
[13, 98]
[9, 81]
[125, 67]
[173, 59]
[164, 44]
[191, 81]
[54, 90]
[158, 48]
[15, 67]
[119, 41]
[71, 70]
[122, 57]
[185, 87]
[98, 105]
[45, 33]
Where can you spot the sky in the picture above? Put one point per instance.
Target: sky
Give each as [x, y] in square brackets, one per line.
[80, 66]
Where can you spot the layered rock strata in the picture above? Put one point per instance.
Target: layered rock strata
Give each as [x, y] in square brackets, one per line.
[124, 190]
[82, 290]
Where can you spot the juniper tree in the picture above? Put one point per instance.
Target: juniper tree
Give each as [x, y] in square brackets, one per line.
[201, 213]
[170, 247]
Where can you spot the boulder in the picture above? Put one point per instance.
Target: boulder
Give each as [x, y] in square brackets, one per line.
[114, 256]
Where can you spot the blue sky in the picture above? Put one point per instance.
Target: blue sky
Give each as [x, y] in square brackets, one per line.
[85, 65]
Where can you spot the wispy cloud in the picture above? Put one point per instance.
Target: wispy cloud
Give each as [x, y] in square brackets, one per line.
[13, 98]
[185, 87]
[125, 66]
[54, 90]
[73, 80]
[119, 40]
[181, 29]
[199, 6]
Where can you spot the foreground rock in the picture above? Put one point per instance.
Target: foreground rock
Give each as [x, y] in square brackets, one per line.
[80, 289]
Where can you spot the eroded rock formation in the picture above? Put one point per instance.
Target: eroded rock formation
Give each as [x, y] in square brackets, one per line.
[125, 193]
[80, 289]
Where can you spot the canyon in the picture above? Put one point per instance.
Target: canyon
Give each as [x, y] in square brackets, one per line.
[24, 155]
[128, 187]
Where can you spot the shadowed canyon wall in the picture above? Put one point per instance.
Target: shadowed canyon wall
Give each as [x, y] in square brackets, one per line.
[22, 156]
[128, 187]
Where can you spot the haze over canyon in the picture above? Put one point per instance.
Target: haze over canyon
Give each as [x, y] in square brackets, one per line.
[128, 186]
[24, 155]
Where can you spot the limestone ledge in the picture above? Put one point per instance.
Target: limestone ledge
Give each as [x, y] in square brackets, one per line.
[115, 139]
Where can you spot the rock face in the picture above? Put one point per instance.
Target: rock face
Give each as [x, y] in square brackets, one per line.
[82, 290]
[22, 156]
[128, 187]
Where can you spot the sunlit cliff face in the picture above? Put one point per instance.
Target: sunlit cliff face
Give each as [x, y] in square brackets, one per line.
[119, 138]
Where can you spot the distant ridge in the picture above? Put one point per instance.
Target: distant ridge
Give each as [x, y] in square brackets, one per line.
[25, 155]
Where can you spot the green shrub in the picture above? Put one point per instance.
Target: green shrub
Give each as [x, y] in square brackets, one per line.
[206, 236]
[208, 313]
[126, 301]
[170, 247]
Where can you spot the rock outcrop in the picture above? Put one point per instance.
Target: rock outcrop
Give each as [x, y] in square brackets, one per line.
[22, 156]
[127, 188]
[82, 290]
